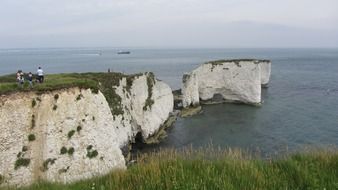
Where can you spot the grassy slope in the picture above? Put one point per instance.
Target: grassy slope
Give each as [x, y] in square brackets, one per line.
[218, 170]
[59, 81]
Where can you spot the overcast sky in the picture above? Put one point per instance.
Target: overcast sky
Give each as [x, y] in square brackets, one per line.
[168, 23]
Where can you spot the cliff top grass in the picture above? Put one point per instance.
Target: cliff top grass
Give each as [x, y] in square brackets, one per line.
[216, 169]
[53, 82]
[104, 82]
[221, 61]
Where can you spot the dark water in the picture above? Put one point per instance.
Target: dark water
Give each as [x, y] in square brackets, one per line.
[300, 106]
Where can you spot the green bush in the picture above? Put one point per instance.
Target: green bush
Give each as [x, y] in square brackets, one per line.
[49, 161]
[89, 147]
[70, 134]
[2, 179]
[71, 151]
[150, 83]
[24, 148]
[33, 103]
[79, 97]
[21, 162]
[56, 97]
[33, 121]
[63, 150]
[31, 137]
[90, 152]
[55, 107]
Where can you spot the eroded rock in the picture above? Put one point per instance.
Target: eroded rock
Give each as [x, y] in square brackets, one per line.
[226, 81]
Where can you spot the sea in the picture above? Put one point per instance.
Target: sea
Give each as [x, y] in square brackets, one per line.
[300, 108]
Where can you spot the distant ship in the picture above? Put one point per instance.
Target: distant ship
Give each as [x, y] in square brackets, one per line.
[123, 52]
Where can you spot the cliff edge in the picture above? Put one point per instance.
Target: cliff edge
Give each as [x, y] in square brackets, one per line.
[75, 129]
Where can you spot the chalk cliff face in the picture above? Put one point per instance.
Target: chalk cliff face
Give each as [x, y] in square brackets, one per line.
[72, 134]
[265, 72]
[226, 80]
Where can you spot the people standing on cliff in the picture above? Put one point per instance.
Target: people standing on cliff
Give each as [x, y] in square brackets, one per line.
[30, 79]
[40, 75]
[19, 78]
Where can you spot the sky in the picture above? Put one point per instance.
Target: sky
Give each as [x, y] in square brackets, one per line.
[168, 23]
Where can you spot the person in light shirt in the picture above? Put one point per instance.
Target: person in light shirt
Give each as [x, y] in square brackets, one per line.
[40, 75]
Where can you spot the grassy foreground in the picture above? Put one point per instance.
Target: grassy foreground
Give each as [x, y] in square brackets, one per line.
[216, 169]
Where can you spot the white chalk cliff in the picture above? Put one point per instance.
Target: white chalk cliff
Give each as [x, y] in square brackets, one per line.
[72, 134]
[226, 80]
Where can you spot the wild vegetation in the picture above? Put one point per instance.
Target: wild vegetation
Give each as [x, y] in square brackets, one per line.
[150, 84]
[216, 169]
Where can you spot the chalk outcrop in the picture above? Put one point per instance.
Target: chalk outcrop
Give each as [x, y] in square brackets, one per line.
[226, 80]
[73, 134]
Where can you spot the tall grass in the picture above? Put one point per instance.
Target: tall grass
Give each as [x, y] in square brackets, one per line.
[216, 169]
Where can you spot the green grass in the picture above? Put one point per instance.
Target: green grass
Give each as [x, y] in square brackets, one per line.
[216, 169]
[105, 82]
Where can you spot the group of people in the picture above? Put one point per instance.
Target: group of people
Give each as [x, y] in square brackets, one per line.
[20, 77]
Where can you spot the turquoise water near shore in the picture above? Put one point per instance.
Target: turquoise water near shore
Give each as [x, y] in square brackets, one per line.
[300, 106]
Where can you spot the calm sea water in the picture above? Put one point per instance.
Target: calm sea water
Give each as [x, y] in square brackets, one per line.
[300, 107]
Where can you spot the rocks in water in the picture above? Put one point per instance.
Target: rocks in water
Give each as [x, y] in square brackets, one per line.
[237, 80]
[190, 111]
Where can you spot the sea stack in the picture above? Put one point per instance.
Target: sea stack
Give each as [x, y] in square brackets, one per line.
[238, 80]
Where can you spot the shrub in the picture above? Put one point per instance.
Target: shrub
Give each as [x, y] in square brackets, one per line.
[95, 90]
[19, 155]
[31, 137]
[148, 103]
[79, 128]
[55, 107]
[63, 150]
[56, 97]
[63, 170]
[33, 121]
[2, 179]
[24, 148]
[33, 103]
[150, 83]
[92, 154]
[45, 164]
[79, 97]
[70, 134]
[21, 162]
[89, 147]
[93, 118]
[71, 150]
